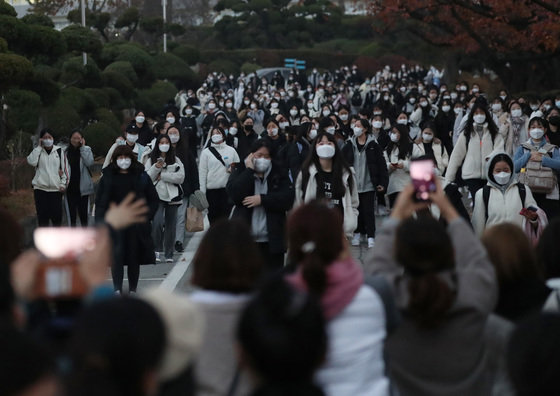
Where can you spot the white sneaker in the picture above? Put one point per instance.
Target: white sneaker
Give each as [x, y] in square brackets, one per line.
[158, 259]
[169, 260]
[356, 240]
[370, 243]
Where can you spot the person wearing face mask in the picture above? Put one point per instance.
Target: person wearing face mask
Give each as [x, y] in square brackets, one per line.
[282, 151]
[232, 138]
[206, 117]
[477, 141]
[190, 128]
[130, 139]
[366, 156]
[141, 125]
[553, 119]
[215, 166]
[293, 119]
[411, 100]
[293, 100]
[133, 245]
[444, 121]
[514, 128]
[229, 110]
[246, 136]
[381, 135]
[344, 117]
[537, 160]
[168, 174]
[262, 194]
[505, 197]
[257, 115]
[50, 180]
[190, 184]
[427, 145]
[326, 175]
[397, 157]
[423, 112]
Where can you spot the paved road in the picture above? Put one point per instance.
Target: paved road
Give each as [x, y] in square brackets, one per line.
[176, 276]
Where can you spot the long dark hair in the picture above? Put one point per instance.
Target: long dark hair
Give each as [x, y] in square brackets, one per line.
[404, 145]
[182, 146]
[126, 150]
[156, 153]
[339, 165]
[492, 128]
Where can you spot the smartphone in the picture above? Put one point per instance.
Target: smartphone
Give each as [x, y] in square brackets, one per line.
[58, 276]
[160, 159]
[423, 179]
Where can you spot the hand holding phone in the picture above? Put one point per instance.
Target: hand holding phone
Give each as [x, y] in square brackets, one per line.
[423, 179]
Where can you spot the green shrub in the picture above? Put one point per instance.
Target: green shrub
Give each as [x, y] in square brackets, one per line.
[6, 9]
[100, 137]
[75, 73]
[38, 19]
[153, 99]
[99, 96]
[224, 65]
[171, 67]
[3, 45]
[47, 89]
[120, 82]
[14, 69]
[45, 41]
[79, 100]
[249, 68]
[50, 72]
[15, 32]
[189, 54]
[81, 39]
[140, 60]
[116, 100]
[62, 118]
[24, 109]
[107, 117]
[125, 68]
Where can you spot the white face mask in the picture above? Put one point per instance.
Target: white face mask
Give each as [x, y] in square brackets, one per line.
[170, 120]
[216, 139]
[330, 130]
[496, 107]
[164, 148]
[445, 109]
[293, 112]
[262, 164]
[140, 119]
[124, 163]
[233, 131]
[253, 106]
[412, 100]
[377, 124]
[174, 138]
[536, 133]
[423, 104]
[402, 121]
[274, 105]
[534, 107]
[394, 137]
[188, 111]
[344, 117]
[326, 113]
[376, 113]
[325, 151]
[516, 113]
[48, 143]
[310, 105]
[246, 102]
[402, 89]
[557, 103]
[427, 137]
[385, 98]
[502, 178]
[503, 97]
[211, 106]
[453, 95]
[131, 138]
[475, 90]
[284, 125]
[229, 105]
[312, 134]
[358, 131]
[221, 103]
[273, 132]
[479, 118]
[457, 110]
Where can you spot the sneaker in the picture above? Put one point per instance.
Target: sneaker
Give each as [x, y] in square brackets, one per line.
[169, 260]
[356, 240]
[370, 243]
[117, 292]
[179, 247]
[158, 259]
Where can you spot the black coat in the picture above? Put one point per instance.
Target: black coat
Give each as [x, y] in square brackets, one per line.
[284, 154]
[133, 244]
[145, 135]
[276, 202]
[244, 143]
[375, 160]
[189, 129]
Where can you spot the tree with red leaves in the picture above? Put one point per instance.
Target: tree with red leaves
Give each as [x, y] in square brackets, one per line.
[518, 39]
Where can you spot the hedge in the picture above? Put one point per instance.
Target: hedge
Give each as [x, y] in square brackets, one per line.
[125, 68]
[100, 137]
[24, 109]
[152, 100]
[171, 67]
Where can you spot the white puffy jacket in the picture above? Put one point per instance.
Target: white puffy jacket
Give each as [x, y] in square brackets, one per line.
[51, 169]
[212, 174]
[171, 176]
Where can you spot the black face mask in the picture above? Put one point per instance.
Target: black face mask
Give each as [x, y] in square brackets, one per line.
[248, 128]
[555, 120]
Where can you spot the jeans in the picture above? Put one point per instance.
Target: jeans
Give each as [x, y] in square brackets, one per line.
[181, 218]
[163, 228]
[49, 207]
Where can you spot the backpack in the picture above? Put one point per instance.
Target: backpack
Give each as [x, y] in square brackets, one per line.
[486, 197]
[540, 179]
[356, 99]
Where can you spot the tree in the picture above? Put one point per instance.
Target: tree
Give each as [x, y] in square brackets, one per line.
[129, 19]
[518, 39]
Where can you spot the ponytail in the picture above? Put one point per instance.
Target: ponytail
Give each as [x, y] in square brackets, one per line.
[430, 299]
[313, 271]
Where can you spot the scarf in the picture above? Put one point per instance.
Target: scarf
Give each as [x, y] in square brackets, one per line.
[516, 124]
[344, 279]
[535, 233]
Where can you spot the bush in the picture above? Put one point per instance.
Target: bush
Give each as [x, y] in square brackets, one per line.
[107, 117]
[153, 99]
[15, 32]
[79, 100]
[125, 68]
[116, 100]
[6, 9]
[249, 68]
[45, 41]
[47, 89]
[120, 82]
[24, 110]
[14, 69]
[171, 67]
[38, 19]
[81, 39]
[189, 54]
[62, 118]
[100, 137]
[140, 60]
[3, 45]
[99, 96]
[224, 65]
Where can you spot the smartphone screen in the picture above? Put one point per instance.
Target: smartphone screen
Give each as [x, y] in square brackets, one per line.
[423, 178]
[58, 276]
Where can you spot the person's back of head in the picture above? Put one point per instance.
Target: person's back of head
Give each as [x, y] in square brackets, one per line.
[116, 349]
[315, 240]
[227, 258]
[283, 338]
[533, 356]
[424, 249]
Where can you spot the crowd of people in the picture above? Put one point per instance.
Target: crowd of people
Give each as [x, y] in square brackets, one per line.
[297, 169]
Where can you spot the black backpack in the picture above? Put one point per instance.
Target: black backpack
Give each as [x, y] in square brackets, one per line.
[356, 99]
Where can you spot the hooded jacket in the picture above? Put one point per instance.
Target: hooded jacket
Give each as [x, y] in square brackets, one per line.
[440, 153]
[48, 166]
[504, 203]
[212, 174]
[171, 176]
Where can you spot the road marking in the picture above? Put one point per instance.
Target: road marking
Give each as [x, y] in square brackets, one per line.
[182, 266]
